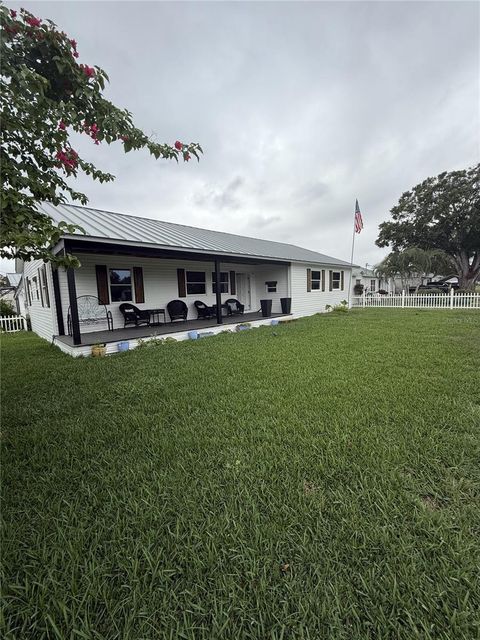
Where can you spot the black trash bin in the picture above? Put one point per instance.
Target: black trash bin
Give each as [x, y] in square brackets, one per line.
[266, 308]
[286, 304]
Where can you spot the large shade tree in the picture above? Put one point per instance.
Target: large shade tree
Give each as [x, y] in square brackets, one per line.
[46, 96]
[442, 213]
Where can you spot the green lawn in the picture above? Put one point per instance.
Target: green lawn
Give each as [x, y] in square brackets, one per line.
[317, 480]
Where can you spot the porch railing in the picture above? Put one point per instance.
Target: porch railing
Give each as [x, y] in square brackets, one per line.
[10, 324]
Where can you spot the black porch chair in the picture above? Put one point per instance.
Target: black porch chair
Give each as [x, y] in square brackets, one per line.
[133, 315]
[90, 311]
[234, 307]
[177, 310]
[203, 310]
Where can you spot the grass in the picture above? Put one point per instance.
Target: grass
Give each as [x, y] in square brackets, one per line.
[315, 480]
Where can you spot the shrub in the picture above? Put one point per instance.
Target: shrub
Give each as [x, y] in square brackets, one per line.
[358, 289]
[6, 308]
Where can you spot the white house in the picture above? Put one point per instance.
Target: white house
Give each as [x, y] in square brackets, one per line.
[16, 280]
[148, 263]
[369, 280]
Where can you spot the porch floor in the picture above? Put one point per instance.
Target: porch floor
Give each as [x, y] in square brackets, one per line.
[131, 333]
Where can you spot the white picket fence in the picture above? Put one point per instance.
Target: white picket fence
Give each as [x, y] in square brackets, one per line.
[450, 300]
[9, 324]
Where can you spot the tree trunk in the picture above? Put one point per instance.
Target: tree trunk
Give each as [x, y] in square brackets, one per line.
[467, 279]
[467, 273]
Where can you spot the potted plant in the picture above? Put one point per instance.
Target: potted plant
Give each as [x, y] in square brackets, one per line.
[99, 350]
[243, 327]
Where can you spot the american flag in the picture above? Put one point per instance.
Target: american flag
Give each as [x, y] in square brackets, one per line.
[358, 218]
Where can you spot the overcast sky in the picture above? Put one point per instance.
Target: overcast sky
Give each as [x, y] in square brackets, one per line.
[300, 109]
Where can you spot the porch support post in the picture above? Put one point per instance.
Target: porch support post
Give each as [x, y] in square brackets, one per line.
[72, 297]
[58, 302]
[218, 288]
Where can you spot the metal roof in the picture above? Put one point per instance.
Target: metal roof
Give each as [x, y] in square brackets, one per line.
[103, 225]
[13, 279]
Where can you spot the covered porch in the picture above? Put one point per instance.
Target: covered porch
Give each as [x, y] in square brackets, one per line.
[151, 278]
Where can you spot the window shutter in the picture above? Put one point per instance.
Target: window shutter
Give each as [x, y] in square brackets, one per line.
[233, 283]
[39, 273]
[342, 279]
[102, 284]
[138, 283]
[323, 279]
[309, 279]
[181, 283]
[330, 280]
[27, 289]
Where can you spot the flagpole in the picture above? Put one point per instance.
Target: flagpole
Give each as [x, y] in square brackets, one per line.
[351, 259]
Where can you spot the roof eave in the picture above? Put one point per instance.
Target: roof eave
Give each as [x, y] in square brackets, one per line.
[207, 252]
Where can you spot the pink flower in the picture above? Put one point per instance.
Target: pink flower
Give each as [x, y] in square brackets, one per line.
[75, 54]
[186, 157]
[94, 128]
[13, 14]
[73, 43]
[33, 22]
[68, 158]
[124, 138]
[62, 125]
[178, 145]
[88, 71]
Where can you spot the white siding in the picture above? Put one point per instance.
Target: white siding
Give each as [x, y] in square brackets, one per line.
[43, 319]
[265, 274]
[305, 302]
[161, 284]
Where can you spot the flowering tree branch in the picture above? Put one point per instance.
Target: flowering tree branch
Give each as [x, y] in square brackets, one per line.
[46, 95]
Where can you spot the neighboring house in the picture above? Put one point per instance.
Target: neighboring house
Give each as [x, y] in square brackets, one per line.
[369, 280]
[149, 263]
[15, 281]
[12, 292]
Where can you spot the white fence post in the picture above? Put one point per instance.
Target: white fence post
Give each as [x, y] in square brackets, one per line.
[10, 324]
[452, 293]
[403, 298]
[363, 298]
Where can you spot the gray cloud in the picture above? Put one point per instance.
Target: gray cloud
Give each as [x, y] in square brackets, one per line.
[300, 108]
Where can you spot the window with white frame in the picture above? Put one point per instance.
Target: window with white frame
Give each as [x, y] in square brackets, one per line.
[196, 282]
[372, 285]
[271, 286]
[223, 282]
[121, 285]
[316, 280]
[42, 274]
[336, 278]
[36, 290]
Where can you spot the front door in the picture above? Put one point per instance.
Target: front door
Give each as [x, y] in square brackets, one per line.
[244, 290]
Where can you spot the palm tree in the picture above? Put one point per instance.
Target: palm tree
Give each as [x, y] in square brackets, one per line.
[405, 264]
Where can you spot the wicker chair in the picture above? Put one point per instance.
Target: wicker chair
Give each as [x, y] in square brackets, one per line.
[234, 307]
[133, 315]
[203, 310]
[177, 310]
